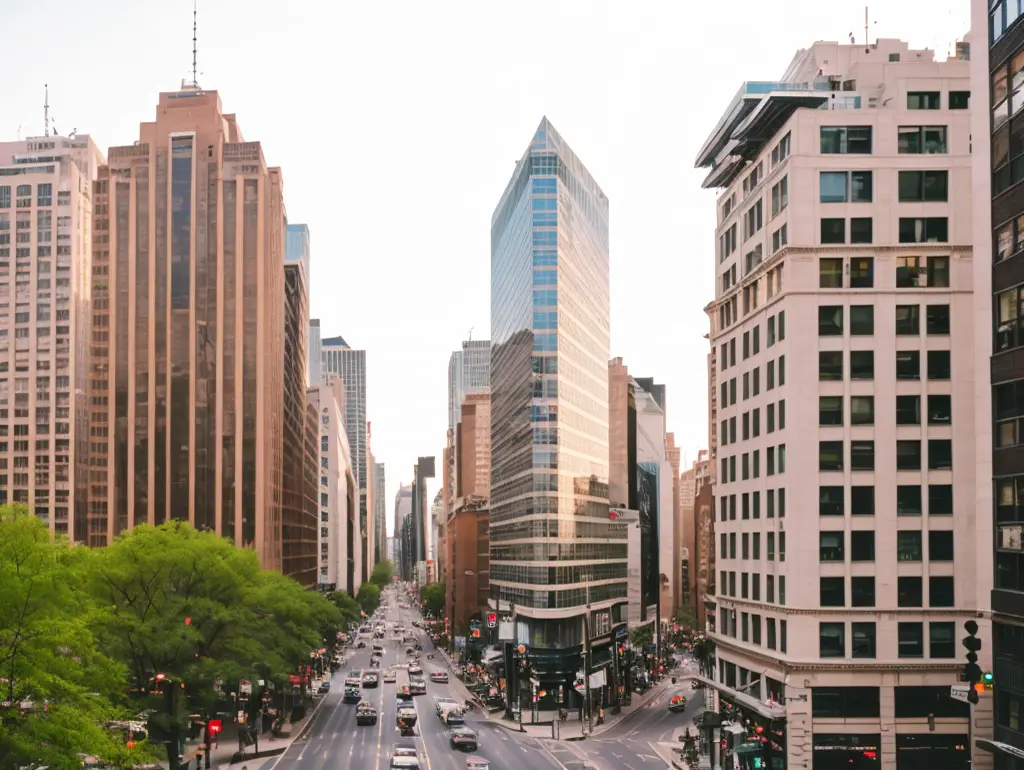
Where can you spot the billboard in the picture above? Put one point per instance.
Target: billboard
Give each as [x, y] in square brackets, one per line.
[647, 506]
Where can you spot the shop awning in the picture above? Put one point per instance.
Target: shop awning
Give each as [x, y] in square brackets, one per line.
[998, 747]
[767, 710]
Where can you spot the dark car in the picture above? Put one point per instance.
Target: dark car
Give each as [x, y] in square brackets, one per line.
[463, 738]
[325, 687]
[352, 695]
[366, 714]
[370, 679]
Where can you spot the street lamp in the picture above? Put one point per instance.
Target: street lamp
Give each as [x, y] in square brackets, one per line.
[587, 658]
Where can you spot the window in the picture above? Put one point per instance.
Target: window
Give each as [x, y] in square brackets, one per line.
[909, 592]
[862, 272]
[862, 591]
[863, 640]
[1009, 319]
[908, 496]
[862, 455]
[862, 410]
[861, 230]
[862, 320]
[923, 186]
[940, 545]
[862, 545]
[940, 499]
[830, 410]
[922, 272]
[780, 196]
[830, 455]
[959, 100]
[845, 702]
[922, 140]
[940, 410]
[937, 319]
[833, 230]
[845, 187]
[862, 501]
[923, 100]
[940, 592]
[830, 273]
[831, 546]
[940, 454]
[831, 501]
[908, 455]
[938, 365]
[832, 592]
[908, 319]
[862, 364]
[845, 140]
[908, 410]
[830, 365]
[941, 642]
[911, 640]
[832, 640]
[908, 545]
[908, 365]
[830, 320]
[924, 230]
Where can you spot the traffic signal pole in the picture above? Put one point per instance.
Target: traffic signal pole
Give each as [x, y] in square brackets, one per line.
[972, 673]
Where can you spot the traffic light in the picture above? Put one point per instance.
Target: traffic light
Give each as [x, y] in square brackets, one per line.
[972, 671]
[492, 619]
[476, 633]
[988, 680]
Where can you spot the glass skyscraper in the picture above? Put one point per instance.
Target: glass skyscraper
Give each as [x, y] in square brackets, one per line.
[553, 548]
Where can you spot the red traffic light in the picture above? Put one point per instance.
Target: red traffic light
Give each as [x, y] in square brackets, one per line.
[215, 725]
[160, 677]
[476, 633]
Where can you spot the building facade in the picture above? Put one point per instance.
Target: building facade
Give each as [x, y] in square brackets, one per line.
[371, 487]
[549, 411]
[999, 284]
[336, 357]
[191, 298]
[379, 515]
[469, 371]
[315, 352]
[46, 255]
[339, 567]
[843, 300]
[420, 531]
[403, 511]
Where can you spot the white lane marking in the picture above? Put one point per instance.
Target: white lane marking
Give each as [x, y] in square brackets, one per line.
[325, 755]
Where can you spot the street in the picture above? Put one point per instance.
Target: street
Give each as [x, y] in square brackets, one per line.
[333, 740]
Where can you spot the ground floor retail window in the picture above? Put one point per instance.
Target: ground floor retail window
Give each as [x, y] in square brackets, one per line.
[837, 751]
[931, 751]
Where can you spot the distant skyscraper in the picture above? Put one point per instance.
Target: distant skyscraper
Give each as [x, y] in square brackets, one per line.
[46, 215]
[469, 371]
[549, 406]
[379, 513]
[315, 354]
[338, 358]
[188, 287]
[299, 488]
[399, 546]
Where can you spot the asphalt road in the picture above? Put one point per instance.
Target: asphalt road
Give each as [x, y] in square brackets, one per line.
[333, 740]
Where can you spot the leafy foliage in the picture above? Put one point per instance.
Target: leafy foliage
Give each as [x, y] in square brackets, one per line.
[432, 598]
[368, 597]
[51, 662]
[347, 606]
[383, 573]
[642, 637]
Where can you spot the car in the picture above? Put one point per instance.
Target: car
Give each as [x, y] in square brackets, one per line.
[442, 704]
[370, 679]
[405, 763]
[325, 687]
[415, 669]
[477, 763]
[390, 677]
[405, 751]
[417, 687]
[366, 714]
[439, 676]
[354, 678]
[361, 645]
[462, 738]
[352, 695]
[404, 693]
[453, 718]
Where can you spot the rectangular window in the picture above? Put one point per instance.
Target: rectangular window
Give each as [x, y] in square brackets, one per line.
[862, 501]
[908, 496]
[780, 196]
[845, 140]
[830, 320]
[909, 592]
[830, 273]
[862, 364]
[862, 545]
[831, 546]
[940, 592]
[923, 186]
[861, 230]
[831, 501]
[830, 365]
[908, 454]
[833, 230]
[938, 365]
[924, 230]
[862, 272]
[937, 320]
[832, 640]
[940, 545]
[922, 140]
[940, 499]
[830, 455]
[959, 100]
[908, 545]
[832, 592]
[941, 639]
[845, 186]
[862, 410]
[908, 320]
[862, 455]
[911, 640]
[862, 591]
[862, 320]
[923, 100]
[863, 640]
[908, 364]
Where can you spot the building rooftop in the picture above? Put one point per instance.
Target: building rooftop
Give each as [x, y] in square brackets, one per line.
[338, 342]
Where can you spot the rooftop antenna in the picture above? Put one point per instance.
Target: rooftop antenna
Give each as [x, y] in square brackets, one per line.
[195, 68]
[46, 111]
[470, 333]
[866, 40]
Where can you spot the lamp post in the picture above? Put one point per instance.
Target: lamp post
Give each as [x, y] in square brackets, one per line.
[587, 661]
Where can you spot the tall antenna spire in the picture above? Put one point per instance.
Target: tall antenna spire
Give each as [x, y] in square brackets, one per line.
[46, 111]
[195, 37]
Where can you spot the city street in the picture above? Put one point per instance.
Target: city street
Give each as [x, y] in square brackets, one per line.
[333, 740]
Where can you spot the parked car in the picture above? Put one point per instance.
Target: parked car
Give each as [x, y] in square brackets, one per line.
[463, 738]
[325, 687]
[439, 676]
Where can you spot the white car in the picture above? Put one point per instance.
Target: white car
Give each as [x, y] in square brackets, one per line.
[415, 669]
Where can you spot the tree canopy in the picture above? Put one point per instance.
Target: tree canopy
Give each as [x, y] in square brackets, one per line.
[383, 573]
[347, 606]
[368, 597]
[432, 597]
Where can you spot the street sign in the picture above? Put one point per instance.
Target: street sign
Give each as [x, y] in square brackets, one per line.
[959, 692]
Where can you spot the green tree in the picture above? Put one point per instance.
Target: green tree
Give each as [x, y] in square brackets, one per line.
[368, 597]
[347, 606]
[383, 572]
[49, 659]
[432, 598]
[642, 637]
[192, 606]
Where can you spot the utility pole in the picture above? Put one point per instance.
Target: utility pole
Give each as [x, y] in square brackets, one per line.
[587, 664]
[972, 673]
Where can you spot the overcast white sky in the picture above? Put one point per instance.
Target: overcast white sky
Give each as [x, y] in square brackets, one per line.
[397, 125]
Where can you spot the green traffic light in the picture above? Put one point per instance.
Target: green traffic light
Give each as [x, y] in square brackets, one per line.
[987, 677]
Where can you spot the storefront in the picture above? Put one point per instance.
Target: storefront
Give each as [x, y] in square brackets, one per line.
[842, 751]
[745, 733]
[932, 751]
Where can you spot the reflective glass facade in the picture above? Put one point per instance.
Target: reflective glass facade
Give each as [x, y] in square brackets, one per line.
[549, 386]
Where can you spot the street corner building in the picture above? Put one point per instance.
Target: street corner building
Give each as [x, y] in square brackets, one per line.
[843, 403]
[558, 564]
